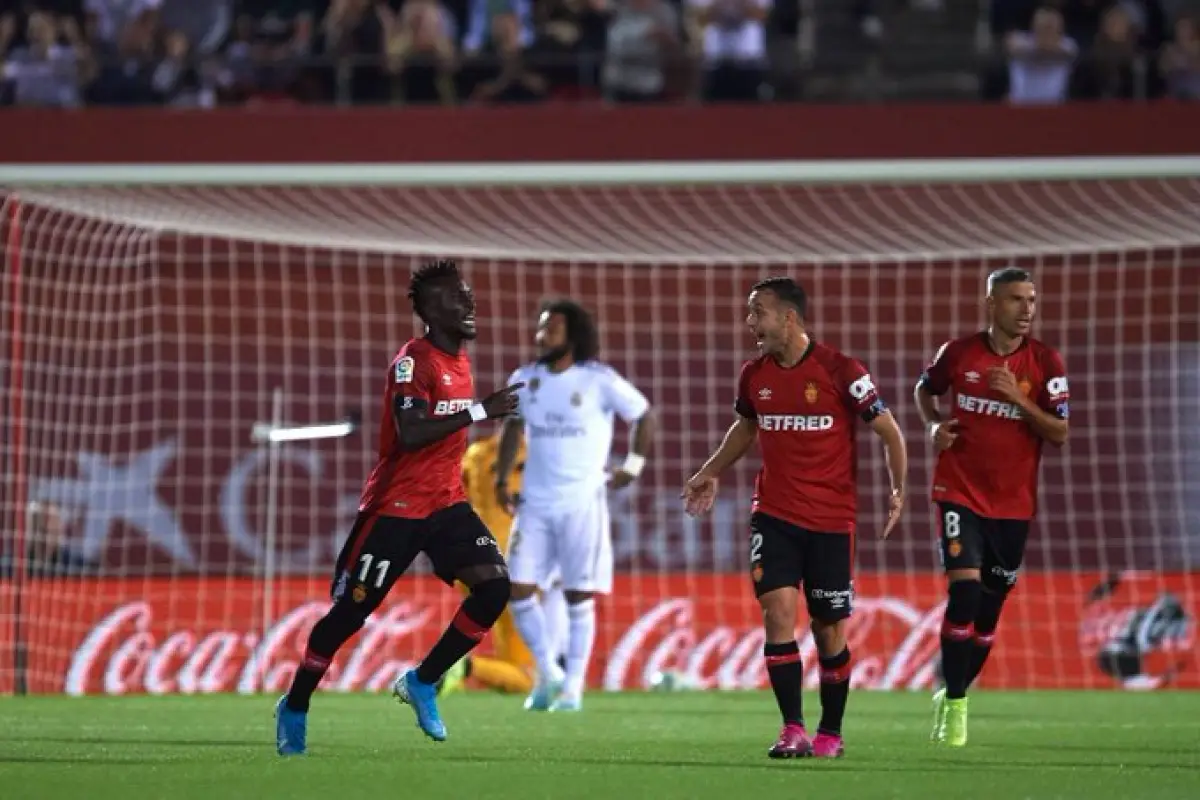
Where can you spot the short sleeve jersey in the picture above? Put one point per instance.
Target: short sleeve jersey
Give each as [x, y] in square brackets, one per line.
[806, 416]
[568, 418]
[992, 468]
[414, 484]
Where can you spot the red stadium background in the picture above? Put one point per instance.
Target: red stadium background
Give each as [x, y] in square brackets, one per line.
[141, 632]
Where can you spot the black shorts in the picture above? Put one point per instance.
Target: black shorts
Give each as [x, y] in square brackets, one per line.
[783, 554]
[380, 548]
[995, 547]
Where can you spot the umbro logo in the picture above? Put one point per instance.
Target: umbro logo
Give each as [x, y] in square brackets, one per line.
[972, 377]
[446, 379]
[764, 393]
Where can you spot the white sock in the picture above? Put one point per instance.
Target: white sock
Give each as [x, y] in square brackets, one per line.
[582, 619]
[554, 609]
[531, 624]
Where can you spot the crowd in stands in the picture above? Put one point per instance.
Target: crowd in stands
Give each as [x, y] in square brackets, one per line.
[1093, 50]
[203, 53]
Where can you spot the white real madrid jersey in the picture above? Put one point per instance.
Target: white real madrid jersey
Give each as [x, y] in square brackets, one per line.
[568, 419]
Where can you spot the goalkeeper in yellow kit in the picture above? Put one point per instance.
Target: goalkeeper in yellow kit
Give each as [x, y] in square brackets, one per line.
[511, 667]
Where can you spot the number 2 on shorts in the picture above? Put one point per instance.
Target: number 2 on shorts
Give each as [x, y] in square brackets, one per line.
[756, 543]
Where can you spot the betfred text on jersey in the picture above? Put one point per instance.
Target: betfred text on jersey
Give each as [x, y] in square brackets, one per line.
[795, 422]
[989, 407]
[447, 407]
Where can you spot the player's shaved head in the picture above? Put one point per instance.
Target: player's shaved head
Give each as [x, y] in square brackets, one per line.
[787, 291]
[1007, 276]
[582, 338]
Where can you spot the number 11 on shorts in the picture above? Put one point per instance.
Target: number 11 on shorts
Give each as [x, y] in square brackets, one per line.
[381, 569]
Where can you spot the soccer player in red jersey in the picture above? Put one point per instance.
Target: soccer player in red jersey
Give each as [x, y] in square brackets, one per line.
[414, 501]
[800, 400]
[1009, 395]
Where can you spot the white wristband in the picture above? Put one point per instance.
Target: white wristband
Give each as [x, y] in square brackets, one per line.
[634, 464]
[478, 412]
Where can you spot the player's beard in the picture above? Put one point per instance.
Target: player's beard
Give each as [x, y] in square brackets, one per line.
[554, 354]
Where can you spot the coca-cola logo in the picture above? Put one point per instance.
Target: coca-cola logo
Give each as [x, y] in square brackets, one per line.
[122, 653]
[895, 645]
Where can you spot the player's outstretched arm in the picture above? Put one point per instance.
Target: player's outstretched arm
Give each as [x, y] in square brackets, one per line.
[896, 455]
[701, 489]
[416, 428]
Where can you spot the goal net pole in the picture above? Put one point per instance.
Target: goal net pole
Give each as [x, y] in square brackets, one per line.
[274, 435]
[153, 314]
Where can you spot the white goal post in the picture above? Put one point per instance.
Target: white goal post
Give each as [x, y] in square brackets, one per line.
[154, 315]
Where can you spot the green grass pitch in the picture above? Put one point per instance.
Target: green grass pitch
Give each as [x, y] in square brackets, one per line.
[629, 746]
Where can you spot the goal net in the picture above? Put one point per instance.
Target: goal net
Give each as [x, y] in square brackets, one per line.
[152, 316]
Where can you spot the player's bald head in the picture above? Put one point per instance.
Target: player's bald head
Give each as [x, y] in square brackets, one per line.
[1003, 278]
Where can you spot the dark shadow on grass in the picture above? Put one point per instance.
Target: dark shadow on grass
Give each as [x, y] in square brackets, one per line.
[141, 742]
[79, 762]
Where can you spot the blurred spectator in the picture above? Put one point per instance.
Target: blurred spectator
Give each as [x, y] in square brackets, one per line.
[570, 44]
[125, 68]
[1148, 22]
[643, 35]
[500, 74]
[420, 50]
[41, 72]
[204, 24]
[1112, 69]
[352, 38]
[176, 80]
[108, 21]
[1040, 62]
[1180, 61]
[734, 47]
[482, 17]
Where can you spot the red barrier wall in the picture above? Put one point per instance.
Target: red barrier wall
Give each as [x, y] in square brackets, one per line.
[596, 133]
[205, 635]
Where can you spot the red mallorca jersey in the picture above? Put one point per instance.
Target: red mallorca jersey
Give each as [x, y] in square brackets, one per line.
[417, 483]
[992, 468]
[806, 417]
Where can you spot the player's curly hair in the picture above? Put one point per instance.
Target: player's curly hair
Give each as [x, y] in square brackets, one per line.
[433, 272]
[582, 332]
[787, 290]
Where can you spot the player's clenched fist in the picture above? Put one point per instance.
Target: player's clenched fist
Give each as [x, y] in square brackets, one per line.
[503, 402]
[943, 434]
[699, 493]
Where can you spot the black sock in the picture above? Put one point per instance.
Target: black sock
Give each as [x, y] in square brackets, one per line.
[957, 631]
[328, 635]
[460, 638]
[990, 604]
[787, 674]
[835, 690]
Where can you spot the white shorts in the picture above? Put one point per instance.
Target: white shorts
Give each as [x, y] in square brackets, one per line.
[575, 543]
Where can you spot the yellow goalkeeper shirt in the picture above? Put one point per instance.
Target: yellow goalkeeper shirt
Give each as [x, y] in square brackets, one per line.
[479, 475]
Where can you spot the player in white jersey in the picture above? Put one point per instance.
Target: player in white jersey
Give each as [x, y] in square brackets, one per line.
[567, 409]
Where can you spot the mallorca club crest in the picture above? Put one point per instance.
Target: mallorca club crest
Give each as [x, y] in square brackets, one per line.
[534, 383]
[359, 593]
[1024, 385]
[576, 399]
[811, 392]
